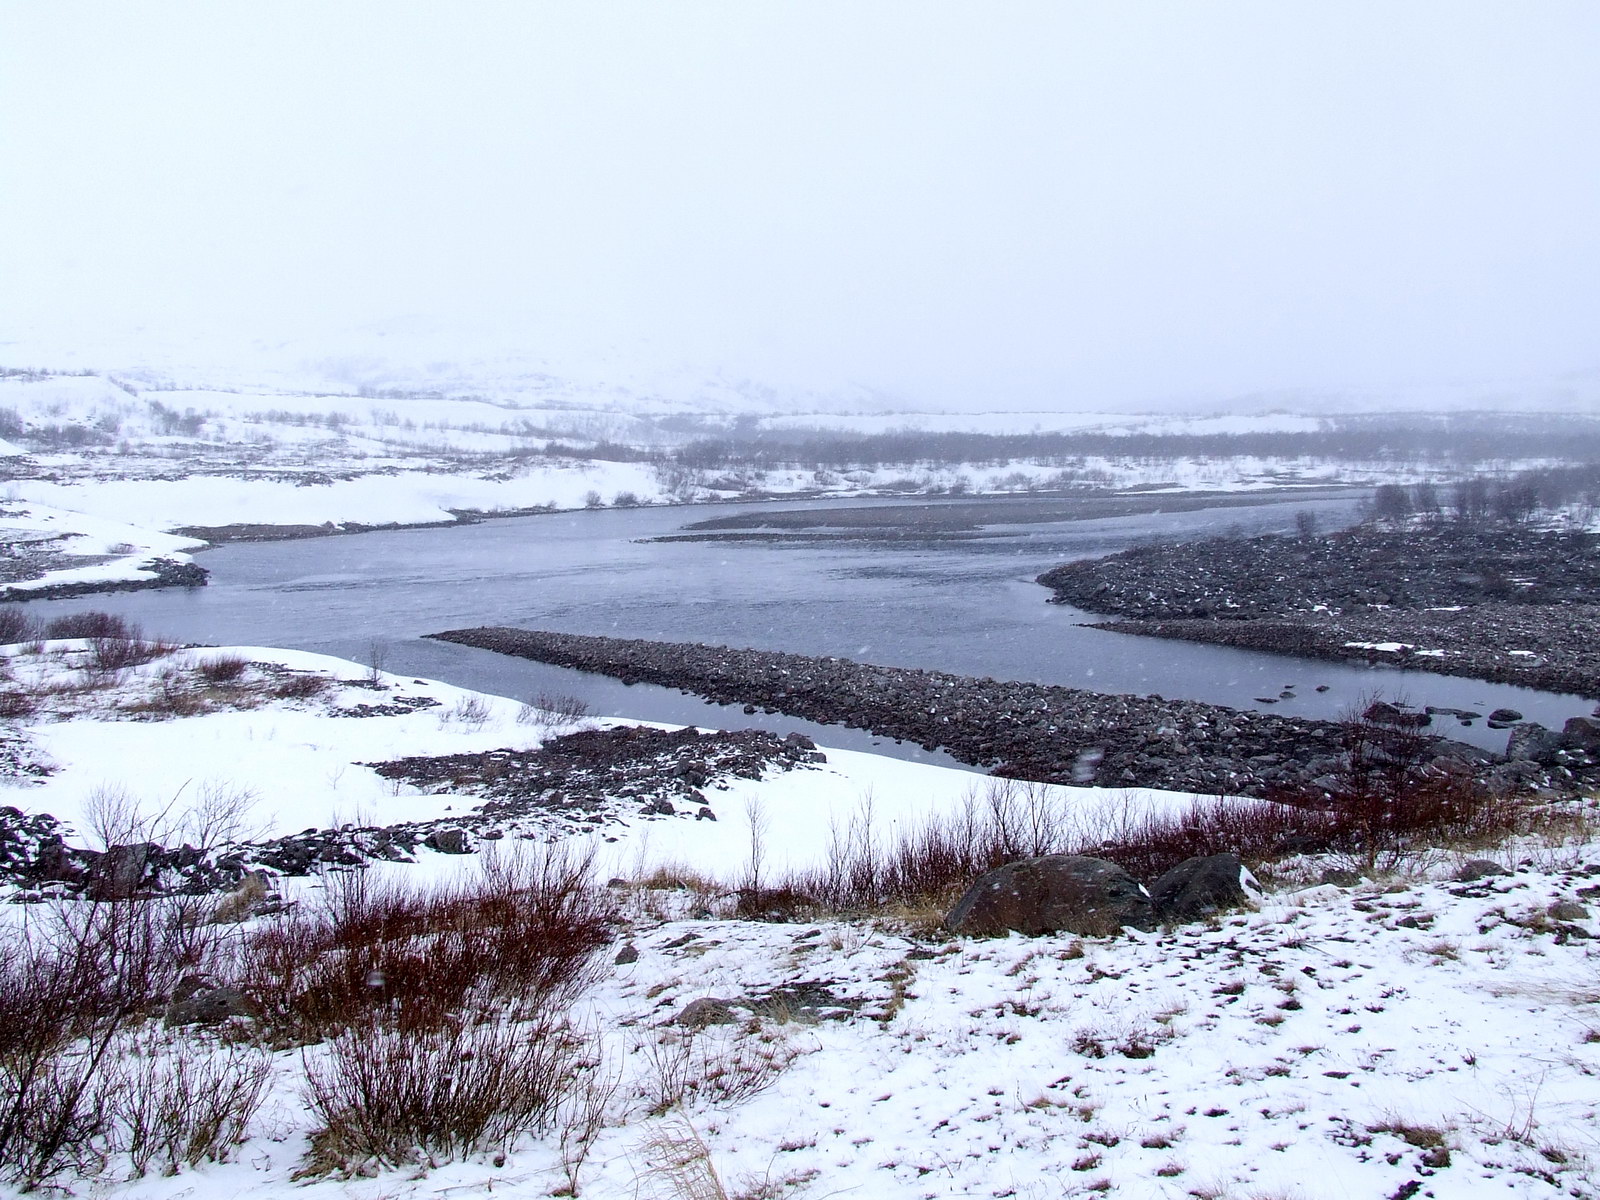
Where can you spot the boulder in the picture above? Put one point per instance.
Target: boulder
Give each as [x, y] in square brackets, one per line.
[1582, 733]
[448, 841]
[707, 1010]
[1506, 716]
[197, 1001]
[1532, 742]
[1384, 713]
[118, 873]
[1200, 886]
[1479, 868]
[1059, 893]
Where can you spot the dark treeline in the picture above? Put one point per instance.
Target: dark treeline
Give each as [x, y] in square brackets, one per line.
[837, 450]
[1516, 498]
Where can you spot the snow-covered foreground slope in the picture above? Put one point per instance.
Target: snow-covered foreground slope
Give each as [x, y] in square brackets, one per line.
[1397, 1037]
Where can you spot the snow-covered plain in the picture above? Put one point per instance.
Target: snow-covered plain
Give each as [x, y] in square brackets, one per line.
[1404, 1036]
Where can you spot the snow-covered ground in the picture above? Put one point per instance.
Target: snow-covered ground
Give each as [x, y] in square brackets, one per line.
[1404, 1036]
[309, 762]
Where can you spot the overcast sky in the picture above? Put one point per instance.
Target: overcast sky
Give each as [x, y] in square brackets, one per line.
[963, 204]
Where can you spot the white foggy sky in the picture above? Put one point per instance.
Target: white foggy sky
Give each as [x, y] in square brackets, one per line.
[1051, 202]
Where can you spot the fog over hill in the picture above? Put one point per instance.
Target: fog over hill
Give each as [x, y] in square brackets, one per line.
[834, 208]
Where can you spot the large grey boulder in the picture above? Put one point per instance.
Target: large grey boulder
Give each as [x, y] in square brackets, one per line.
[1532, 742]
[119, 873]
[198, 1001]
[1059, 893]
[1198, 887]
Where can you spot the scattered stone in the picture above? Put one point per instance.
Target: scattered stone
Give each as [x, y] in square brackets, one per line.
[628, 954]
[119, 873]
[1059, 893]
[1582, 733]
[1384, 713]
[1015, 729]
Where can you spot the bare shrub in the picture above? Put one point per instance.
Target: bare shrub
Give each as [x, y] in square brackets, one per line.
[593, 1084]
[224, 668]
[111, 654]
[530, 929]
[553, 711]
[721, 1066]
[172, 693]
[469, 1084]
[16, 705]
[71, 974]
[178, 1103]
[16, 625]
[91, 625]
[678, 1157]
[301, 686]
[471, 711]
[1385, 814]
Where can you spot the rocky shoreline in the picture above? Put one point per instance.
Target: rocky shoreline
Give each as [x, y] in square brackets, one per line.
[1023, 730]
[574, 784]
[1498, 603]
[167, 573]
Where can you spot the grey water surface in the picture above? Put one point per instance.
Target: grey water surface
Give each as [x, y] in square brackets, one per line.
[941, 585]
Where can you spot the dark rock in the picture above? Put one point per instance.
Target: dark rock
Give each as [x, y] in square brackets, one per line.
[1531, 741]
[1567, 910]
[448, 841]
[1582, 733]
[1479, 868]
[1384, 713]
[1200, 886]
[1505, 715]
[1058, 893]
[628, 954]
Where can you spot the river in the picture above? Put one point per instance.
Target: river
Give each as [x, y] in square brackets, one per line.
[944, 585]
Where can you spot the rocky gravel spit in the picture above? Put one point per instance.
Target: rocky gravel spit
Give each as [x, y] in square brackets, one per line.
[1498, 603]
[1024, 730]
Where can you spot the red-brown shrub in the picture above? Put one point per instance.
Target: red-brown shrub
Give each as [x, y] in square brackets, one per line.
[530, 929]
